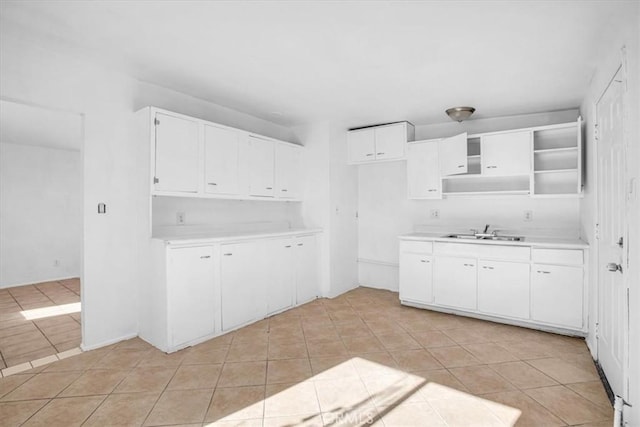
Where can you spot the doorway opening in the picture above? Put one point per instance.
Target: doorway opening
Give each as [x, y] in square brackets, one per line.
[41, 218]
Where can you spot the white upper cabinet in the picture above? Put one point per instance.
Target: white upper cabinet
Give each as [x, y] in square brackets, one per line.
[379, 143]
[176, 154]
[452, 155]
[391, 141]
[221, 160]
[287, 169]
[506, 154]
[191, 157]
[261, 163]
[362, 146]
[423, 172]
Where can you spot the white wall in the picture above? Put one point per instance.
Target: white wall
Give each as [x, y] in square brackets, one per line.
[40, 214]
[344, 206]
[216, 213]
[385, 212]
[330, 202]
[625, 34]
[112, 163]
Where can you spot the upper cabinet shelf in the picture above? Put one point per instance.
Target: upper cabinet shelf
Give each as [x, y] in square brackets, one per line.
[543, 161]
[191, 157]
[379, 143]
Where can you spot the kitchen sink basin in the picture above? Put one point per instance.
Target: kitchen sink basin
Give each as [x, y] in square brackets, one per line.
[485, 237]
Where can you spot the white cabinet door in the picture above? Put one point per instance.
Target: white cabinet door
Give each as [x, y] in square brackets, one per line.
[242, 290]
[260, 153]
[306, 269]
[503, 288]
[176, 155]
[506, 154]
[280, 274]
[455, 282]
[423, 173]
[390, 141]
[416, 277]
[452, 155]
[287, 171]
[556, 294]
[361, 145]
[221, 162]
[190, 279]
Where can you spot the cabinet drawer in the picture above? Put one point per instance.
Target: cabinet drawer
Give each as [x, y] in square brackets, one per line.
[557, 256]
[484, 251]
[416, 247]
[456, 249]
[507, 253]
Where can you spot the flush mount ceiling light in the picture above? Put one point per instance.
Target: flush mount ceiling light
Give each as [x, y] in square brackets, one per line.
[460, 113]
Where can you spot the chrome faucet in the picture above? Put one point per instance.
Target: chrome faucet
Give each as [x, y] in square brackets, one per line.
[485, 233]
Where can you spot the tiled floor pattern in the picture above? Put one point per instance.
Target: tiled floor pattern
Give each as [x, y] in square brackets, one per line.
[359, 359]
[23, 340]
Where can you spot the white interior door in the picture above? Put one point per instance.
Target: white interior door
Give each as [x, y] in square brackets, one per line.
[612, 301]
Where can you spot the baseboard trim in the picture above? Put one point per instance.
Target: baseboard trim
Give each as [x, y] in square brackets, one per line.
[85, 347]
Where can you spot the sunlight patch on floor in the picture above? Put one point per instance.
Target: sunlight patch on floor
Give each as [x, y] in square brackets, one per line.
[359, 392]
[55, 310]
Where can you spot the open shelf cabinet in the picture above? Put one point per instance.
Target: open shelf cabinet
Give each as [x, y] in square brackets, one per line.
[557, 160]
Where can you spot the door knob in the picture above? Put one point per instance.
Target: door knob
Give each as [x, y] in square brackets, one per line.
[612, 266]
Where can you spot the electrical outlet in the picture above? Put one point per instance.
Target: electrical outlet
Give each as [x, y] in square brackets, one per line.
[435, 214]
[528, 216]
[180, 218]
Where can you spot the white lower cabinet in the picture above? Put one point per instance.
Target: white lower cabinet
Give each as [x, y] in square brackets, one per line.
[263, 277]
[416, 277]
[242, 294]
[279, 275]
[191, 300]
[536, 287]
[556, 295]
[455, 282]
[503, 288]
[307, 286]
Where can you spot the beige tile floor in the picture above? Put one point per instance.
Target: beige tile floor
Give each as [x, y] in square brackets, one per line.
[23, 339]
[359, 359]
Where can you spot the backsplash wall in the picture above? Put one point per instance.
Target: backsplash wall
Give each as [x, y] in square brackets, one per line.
[219, 213]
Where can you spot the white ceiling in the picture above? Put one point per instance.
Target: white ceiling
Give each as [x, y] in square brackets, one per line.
[355, 62]
[29, 125]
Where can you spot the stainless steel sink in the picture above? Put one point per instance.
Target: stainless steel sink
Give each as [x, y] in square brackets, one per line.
[485, 237]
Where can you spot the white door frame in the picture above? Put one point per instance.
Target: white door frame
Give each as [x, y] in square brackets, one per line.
[621, 67]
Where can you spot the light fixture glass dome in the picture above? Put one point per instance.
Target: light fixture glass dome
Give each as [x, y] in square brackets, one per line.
[460, 113]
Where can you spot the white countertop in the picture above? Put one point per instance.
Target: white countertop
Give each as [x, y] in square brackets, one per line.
[546, 242]
[219, 236]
